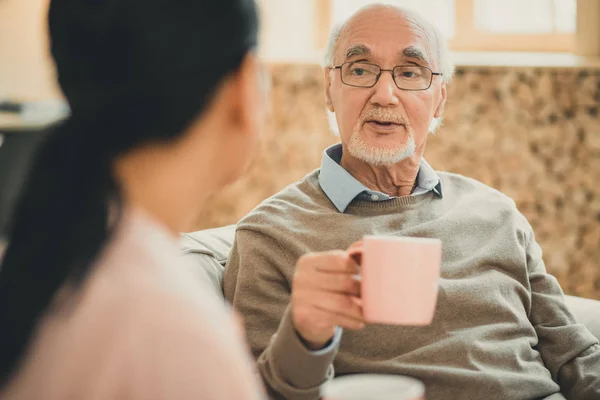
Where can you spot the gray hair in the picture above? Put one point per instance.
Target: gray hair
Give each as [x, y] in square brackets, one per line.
[434, 38]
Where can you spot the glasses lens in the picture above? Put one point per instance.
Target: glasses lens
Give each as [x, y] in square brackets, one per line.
[412, 77]
[360, 74]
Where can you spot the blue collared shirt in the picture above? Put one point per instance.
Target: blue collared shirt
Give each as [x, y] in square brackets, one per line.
[342, 188]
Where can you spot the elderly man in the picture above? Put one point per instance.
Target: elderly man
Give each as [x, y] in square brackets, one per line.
[501, 329]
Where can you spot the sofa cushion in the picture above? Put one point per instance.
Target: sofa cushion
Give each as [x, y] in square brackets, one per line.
[208, 250]
[586, 312]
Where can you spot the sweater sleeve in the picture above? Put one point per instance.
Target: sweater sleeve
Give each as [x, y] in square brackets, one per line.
[256, 284]
[569, 350]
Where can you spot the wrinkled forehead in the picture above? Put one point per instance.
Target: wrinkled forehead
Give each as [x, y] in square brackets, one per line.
[385, 37]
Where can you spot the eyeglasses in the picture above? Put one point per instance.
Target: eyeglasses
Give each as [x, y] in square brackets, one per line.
[366, 75]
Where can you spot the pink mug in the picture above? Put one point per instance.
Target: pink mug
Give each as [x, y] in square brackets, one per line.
[399, 278]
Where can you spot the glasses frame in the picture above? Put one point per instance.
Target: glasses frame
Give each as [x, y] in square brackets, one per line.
[381, 71]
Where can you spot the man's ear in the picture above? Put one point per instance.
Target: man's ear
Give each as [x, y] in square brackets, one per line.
[440, 107]
[328, 102]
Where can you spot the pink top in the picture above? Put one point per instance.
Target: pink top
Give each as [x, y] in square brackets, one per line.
[142, 326]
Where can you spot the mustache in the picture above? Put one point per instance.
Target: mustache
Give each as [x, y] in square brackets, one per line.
[383, 114]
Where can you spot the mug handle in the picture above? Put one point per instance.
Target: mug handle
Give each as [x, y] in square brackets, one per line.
[355, 250]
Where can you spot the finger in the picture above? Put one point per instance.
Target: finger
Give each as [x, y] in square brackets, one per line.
[336, 283]
[348, 323]
[323, 319]
[341, 320]
[337, 261]
[356, 245]
[335, 303]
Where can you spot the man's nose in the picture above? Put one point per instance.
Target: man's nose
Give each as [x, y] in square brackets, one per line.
[385, 91]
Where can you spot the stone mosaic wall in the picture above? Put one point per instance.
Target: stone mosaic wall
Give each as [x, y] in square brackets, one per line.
[533, 133]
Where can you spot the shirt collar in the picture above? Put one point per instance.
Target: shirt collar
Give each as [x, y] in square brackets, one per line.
[341, 187]
[427, 180]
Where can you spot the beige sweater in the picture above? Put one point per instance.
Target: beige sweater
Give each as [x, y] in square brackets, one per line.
[142, 326]
[501, 329]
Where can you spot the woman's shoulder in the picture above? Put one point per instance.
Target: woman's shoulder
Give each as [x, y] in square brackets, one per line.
[141, 321]
[142, 269]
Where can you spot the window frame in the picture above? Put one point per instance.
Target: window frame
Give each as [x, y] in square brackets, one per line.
[468, 37]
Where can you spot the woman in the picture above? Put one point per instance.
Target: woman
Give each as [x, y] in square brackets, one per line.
[94, 301]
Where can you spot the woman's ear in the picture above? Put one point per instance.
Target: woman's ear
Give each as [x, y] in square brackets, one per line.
[249, 95]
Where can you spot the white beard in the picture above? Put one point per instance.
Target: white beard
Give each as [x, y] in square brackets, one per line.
[380, 156]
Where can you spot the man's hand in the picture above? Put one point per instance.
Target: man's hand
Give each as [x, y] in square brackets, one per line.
[325, 294]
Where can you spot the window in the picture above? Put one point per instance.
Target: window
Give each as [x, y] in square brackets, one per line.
[525, 17]
[487, 25]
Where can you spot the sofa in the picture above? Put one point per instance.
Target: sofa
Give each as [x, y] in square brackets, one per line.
[209, 250]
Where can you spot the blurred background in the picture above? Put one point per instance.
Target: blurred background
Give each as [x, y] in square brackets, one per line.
[522, 111]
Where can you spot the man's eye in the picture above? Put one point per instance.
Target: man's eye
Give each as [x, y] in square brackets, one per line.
[358, 71]
[409, 74]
